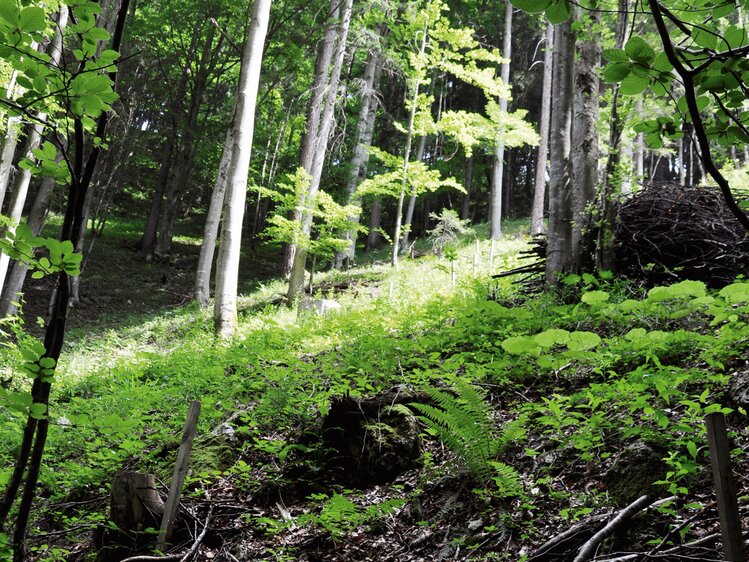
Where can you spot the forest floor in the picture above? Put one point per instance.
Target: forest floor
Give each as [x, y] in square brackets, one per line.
[482, 422]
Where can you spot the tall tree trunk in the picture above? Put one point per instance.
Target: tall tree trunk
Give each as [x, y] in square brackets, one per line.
[17, 274]
[296, 277]
[227, 264]
[412, 199]
[539, 189]
[148, 240]
[31, 450]
[182, 168]
[559, 247]
[407, 151]
[202, 292]
[360, 157]
[495, 221]
[12, 129]
[465, 204]
[315, 108]
[614, 174]
[584, 152]
[375, 218]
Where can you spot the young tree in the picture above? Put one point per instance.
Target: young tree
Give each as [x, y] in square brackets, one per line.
[495, 220]
[319, 126]
[81, 99]
[227, 264]
[539, 190]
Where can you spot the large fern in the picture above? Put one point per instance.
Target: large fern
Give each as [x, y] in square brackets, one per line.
[462, 419]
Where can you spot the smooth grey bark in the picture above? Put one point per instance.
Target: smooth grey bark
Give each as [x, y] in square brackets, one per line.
[360, 156]
[539, 188]
[613, 178]
[12, 129]
[584, 151]
[296, 277]
[407, 153]
[227, 264]
[559, 246]
[17, 273]
[495, 220]
[412, 199]
[465, 204]
[315, 107]
[375, 218]
[202, 291]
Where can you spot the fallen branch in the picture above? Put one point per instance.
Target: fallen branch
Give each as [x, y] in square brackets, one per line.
[182, 557]
[588, 549]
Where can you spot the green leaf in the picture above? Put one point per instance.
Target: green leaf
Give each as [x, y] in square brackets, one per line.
[705, 38]
[633, 85]
[735, 37]
[552, 337]
[581, 341]
[33, 19]
[521, 345]
[9, 12]
[615, 55]
[638, 50]
[559, 12]
[617, 71]
[595, 297]
[37, 411]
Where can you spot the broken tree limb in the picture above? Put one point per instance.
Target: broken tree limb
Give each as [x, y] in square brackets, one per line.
[588, 549]
[725, 488]
[178, 477]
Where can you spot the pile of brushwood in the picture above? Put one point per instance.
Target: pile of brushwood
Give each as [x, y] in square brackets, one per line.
[669, 232]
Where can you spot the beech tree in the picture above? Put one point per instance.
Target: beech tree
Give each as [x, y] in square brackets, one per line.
[227, 263]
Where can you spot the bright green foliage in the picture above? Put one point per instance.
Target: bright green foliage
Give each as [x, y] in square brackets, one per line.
[421, 177]
[330, 218]
[447, 231]
[463, 421]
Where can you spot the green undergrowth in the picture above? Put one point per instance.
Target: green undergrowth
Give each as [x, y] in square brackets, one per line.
[585, 372]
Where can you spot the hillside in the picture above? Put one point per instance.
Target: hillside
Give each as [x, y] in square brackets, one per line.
[549, 414]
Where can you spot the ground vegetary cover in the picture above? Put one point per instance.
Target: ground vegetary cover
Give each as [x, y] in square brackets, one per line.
[537, 413]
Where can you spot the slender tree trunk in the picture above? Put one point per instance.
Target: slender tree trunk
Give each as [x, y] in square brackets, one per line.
[314, 114]
[202, 291]
[465, 205]
[495, 221]
[539, 190]
[360, 157]
[296, 277]
[148, 240]
[34, 439]
[375, 218]
[12, 128]
[227, 265]
[614, 175]
[407, 152]
[412, 199]
[584, 152]
[559, 258]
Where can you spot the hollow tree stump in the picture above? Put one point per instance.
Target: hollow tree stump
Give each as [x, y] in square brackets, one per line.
[135, 505]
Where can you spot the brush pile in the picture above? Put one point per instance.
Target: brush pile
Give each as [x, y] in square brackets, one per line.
[669, 232]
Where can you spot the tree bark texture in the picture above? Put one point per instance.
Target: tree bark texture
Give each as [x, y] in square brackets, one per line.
[539, 188]
[495, 221]
[227, 264]
[362, 141]
[559, 248]
[584, 151]
[296, 278]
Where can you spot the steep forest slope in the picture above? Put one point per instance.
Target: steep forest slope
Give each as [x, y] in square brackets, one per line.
[481, 421]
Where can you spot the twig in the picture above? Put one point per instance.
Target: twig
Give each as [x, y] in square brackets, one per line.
[588, 549]
[179, 556]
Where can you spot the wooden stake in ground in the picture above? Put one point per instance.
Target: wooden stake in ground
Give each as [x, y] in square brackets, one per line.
[178, 478]
[725, 488]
